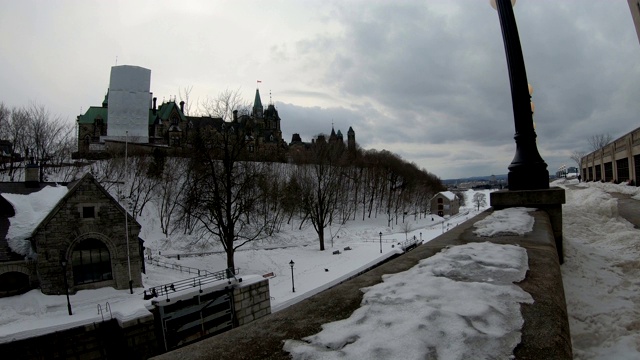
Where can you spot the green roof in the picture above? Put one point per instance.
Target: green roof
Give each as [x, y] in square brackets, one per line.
[92, 113]
[163, 112]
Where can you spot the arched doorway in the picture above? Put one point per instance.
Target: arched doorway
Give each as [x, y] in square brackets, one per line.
[91, 262]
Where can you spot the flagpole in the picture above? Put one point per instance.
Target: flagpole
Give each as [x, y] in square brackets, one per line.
[126, 211]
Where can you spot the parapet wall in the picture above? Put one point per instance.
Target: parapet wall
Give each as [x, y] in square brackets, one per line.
[545, 333]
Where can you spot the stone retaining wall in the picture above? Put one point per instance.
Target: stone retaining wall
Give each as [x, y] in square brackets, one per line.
[251, 302]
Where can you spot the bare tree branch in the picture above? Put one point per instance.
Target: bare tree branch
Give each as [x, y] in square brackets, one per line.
[599, 141]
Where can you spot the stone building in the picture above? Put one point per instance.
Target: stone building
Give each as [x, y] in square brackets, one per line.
[170, 129]
[445, 203]
[618, 161]
[167, 125]
[50, 231]
[335, 138]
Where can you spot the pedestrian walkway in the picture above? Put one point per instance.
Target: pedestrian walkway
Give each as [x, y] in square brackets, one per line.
[628, 208]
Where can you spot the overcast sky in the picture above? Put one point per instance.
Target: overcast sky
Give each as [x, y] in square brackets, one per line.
[427, 79]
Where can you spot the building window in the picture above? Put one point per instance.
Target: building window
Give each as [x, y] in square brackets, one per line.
[91, 262]
[440, 200]
[88, 212]
[622, 167]
[608, 171]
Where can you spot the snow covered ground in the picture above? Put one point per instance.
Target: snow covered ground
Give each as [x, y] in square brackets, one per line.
[601, 273]
[600, 276]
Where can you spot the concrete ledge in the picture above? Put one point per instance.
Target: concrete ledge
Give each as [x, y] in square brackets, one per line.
[545, 333]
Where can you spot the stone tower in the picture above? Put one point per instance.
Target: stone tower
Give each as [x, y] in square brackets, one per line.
[351, 140]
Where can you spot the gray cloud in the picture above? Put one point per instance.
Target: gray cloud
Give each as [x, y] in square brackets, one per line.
[427, 80]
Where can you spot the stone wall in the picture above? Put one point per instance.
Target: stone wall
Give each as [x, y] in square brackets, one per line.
[104, 340]
[132, 339]
[57, 236]
[251, 302]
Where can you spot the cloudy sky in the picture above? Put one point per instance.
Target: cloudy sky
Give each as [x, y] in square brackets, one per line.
[424, 79]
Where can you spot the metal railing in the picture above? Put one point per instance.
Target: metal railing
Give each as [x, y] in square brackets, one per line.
[181, 268]
[191, 283]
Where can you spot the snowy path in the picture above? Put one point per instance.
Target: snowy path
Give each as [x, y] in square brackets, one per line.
[601, 276]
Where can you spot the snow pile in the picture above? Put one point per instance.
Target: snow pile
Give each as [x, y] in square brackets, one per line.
[600, 274]
[458, 304]
[511, 221]
[30, 211]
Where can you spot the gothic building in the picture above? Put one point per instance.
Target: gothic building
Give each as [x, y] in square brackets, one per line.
[335, 138]
[166, 126]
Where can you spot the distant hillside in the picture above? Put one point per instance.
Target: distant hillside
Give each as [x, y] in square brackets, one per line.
[502, 177]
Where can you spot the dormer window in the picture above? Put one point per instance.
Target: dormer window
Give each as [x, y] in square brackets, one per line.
[174, 120]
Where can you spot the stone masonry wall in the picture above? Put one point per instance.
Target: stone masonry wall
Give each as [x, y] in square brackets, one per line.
[109, 339]
[67, 227]
[251, 302]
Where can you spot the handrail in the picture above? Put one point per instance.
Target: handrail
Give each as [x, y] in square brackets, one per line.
[181, 268]
[198, 281]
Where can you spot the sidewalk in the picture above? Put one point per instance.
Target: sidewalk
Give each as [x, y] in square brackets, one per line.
[628, 208]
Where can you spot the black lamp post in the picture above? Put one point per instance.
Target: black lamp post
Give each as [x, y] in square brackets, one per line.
[380, 242]
[527, 170]
[293, 286]
[63, 264]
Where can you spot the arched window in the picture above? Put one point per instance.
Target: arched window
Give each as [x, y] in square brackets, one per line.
[91, 262]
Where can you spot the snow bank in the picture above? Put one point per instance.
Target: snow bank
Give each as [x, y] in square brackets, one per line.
[511, 221]
[600, 274]
[30, 211]
[458, 304]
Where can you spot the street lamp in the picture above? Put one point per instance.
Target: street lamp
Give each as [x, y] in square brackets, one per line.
[527, 170]
[380, 242]
[293, 286]
[63, 264]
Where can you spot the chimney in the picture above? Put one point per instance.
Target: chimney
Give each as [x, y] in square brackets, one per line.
[235, 115]
[32, 174]
[182, 107]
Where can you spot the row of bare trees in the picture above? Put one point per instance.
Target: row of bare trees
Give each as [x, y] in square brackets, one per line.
[216, 196]
[34, 133]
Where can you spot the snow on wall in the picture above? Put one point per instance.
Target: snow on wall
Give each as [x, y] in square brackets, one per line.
[129, 102]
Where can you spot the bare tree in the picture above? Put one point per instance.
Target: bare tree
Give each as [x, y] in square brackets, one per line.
[599, 141]
[224, 105]
[319, 178]
[576, 156]
[14, 129]
[185, 95]
[48, 136]
[169, 193]
[479, 199]
[222, 192]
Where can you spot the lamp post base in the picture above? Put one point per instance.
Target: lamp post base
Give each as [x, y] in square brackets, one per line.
[549, 200]
[528, 177]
